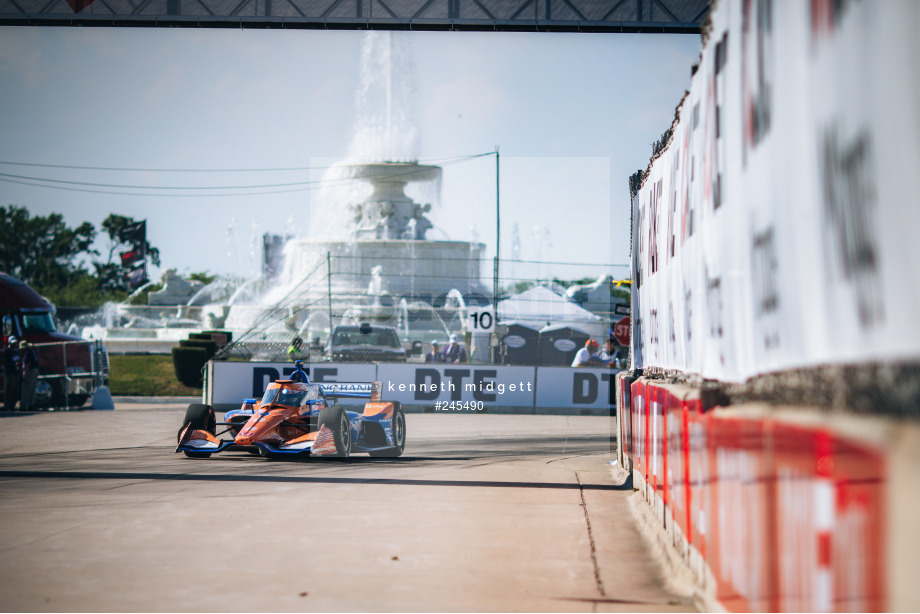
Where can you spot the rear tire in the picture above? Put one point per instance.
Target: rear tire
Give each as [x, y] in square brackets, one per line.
[399, 435]
[335, 418]
[199, 417]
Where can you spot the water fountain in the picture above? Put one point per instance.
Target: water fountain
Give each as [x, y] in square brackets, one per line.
[388, 252]
[369, 236]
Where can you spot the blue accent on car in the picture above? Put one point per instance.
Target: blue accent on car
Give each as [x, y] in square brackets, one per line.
[237, 412]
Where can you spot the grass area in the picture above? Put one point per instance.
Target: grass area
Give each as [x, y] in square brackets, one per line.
[147, 375]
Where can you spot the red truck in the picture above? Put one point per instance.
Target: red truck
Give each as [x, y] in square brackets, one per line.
[70, 368]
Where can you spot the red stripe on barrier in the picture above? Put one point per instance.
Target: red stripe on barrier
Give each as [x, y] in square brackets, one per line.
[824, 549]
[624, 418]
[664, 400]
[858, 535]
[698, 461]
[638, 445]
[685, 456]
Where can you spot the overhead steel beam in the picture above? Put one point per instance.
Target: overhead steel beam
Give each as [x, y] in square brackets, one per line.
[660, 16]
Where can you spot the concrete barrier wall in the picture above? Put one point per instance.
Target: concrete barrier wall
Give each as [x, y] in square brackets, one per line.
[777, 509]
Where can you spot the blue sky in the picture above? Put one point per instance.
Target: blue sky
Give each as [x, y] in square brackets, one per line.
[572, 114]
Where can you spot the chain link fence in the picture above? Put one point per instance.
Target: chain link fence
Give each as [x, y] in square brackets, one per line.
[396, 307]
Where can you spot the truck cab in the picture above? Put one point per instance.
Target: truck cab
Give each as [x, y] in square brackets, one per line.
[70, 368]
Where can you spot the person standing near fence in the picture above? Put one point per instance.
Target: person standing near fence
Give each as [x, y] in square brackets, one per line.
[587, 356]
[435, 354]
[454, 352]
[29, 372]
[610, 353]
[10, 373]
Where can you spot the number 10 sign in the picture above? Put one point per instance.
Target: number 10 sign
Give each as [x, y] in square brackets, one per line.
[482, 321]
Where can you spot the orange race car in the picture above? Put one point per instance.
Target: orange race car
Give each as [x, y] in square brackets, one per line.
[297, 418]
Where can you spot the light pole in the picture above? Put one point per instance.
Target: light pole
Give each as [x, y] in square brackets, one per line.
[497, 237]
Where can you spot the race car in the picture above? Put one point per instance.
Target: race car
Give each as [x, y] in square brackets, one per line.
[295, 418]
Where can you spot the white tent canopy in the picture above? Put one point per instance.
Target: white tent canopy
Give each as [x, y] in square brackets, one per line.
[540, 307]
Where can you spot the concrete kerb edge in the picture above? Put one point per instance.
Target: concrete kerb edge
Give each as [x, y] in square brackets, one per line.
[693, 576]
[677, 574]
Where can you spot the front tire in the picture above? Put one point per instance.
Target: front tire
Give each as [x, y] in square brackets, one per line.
[335, 418]
[399, 435]
[49, 392]
[78, 400]
[199, 417]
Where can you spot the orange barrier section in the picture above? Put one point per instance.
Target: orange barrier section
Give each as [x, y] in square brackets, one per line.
[770, 515]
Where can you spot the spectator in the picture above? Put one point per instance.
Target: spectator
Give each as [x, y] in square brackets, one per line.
[295, 350]
[29, 372]
[610, 353]
[435, 354]
[587, 356]
[454, 352]
[11, 373]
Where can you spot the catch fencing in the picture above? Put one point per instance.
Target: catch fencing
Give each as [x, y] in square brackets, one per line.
[423, 299]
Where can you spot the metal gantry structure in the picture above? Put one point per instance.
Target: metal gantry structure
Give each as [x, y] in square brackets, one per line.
[652, 16]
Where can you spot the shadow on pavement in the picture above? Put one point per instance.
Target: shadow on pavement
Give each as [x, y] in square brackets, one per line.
[140, 475]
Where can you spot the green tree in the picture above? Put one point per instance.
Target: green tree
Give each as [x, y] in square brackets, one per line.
[42, 250]
[82, 291]
[565, 283]
[204, 277]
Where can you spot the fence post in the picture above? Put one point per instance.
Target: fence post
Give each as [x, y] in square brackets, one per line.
[329, 287]
[66, 379]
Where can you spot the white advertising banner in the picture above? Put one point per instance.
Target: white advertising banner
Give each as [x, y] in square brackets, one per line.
[231, 382]
[777, 229]
[431, 384]
[576, 387]
[438, 386]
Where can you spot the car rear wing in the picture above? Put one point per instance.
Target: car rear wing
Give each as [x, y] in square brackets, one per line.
[340, 390]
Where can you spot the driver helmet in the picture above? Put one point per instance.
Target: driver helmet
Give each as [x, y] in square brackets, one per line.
[13, 340]
[298, 363]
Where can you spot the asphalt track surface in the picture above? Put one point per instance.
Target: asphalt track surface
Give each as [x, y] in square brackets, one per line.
[481, 513]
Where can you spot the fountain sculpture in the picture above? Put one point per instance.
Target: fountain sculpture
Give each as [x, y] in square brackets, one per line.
[387, 251]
